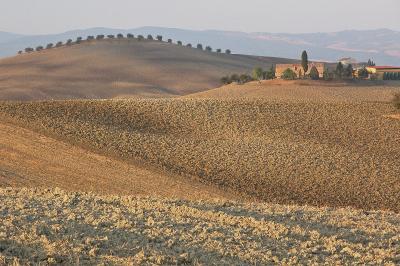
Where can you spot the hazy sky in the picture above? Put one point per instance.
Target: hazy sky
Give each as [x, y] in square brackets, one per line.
[54, 16]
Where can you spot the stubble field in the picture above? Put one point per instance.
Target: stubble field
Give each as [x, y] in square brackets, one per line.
[48, 227]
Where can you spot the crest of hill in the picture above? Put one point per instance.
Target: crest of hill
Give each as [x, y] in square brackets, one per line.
[119, 68]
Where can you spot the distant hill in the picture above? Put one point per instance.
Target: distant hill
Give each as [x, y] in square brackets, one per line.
[381, 45]
[119, 68]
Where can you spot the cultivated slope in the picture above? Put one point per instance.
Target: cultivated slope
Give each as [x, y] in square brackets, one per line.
[337, 154]
[118, 68]
[30, 159]
[304, 91]
[55, 227]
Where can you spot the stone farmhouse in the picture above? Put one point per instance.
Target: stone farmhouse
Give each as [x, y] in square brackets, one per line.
[298, 69]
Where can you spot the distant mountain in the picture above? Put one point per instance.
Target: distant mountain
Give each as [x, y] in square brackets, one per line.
[381, 45]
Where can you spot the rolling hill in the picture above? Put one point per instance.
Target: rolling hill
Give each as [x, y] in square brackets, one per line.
[119, 68]
[382, 45]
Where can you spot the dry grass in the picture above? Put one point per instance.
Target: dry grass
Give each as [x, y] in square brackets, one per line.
[55, 227]
[337, 154]
[118, 68]
[396, 100]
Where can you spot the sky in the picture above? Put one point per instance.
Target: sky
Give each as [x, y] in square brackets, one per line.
[289, 16]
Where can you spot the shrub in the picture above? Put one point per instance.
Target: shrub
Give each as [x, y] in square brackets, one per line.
[189, 45]
[49, 46]
[110, 36]
[244, 78]
[69, 42]
[314, 74]
[270, 74]
[159, 38]
[150, 37]
[100, 37]
[29, 50]
[258, 73]
[169, 41]
[218, 50]
[363, 73]
[227, 51]
[39, 48]
[59, 44]
[79, 40]
[289, 74]
[20, 52]
[200, 46]
[235, 78]
[140, 37]
[226, 80]
[130, 36]
[90, 38]
[208, 49]
[120, 36]
[179, 43]
[396, 100]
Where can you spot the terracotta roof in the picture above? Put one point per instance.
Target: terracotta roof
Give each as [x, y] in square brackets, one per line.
[384, 67]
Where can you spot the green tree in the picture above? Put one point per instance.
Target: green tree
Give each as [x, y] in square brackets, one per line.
[110, 36]
[226, 80]
[79, 40]
[29, 50]
[49, 46]
[39, 48]
[289, 74]
[169, 40]
[189, 45]
[150, 37]
[179, 43]
[227, 51]
[348, 71]
[218, 50]
[208, 49]
[314, 74]
[159, 38]
[130, 36]
[120, 36]
[140, 37]
[235, 78]
[244, 78]
[270, 74]
[100, 37]
[370, 63]
[339, 70]
[258, 73]
[200, 46]
[90, 38]
[20, 52]
[363, 73]
[304, 61]
[59, 44]
[326, 75]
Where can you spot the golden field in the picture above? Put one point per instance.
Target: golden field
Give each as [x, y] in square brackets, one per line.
[51, 226]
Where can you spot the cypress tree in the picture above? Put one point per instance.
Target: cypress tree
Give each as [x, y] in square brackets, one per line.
[304, 62]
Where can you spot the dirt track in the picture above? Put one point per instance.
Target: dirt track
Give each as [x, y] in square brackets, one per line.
[52, 226]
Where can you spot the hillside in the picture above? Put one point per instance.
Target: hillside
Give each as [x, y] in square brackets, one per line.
[118, 68]
[55, 227]
[382, 45]
[31, 159]
[336, 154]
[304, 91]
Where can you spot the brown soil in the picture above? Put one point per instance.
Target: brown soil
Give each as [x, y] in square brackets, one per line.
[30, 159]
[336, 154]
